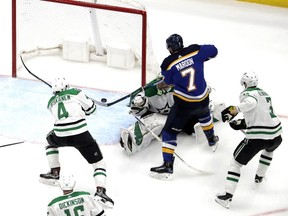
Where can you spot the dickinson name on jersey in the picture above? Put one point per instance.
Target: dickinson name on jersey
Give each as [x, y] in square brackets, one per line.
[69, 203]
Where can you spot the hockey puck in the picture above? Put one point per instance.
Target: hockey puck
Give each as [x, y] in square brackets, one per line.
[103, 100]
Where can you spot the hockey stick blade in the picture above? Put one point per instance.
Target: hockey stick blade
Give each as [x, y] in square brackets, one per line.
[191, 167]
[10, 144]
[180, 158]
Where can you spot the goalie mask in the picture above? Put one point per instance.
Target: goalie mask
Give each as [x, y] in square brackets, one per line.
[59, 84]
[67, 182]
[174, 43]
[249, 79]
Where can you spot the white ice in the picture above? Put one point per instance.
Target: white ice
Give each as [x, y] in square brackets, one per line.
[249, 37]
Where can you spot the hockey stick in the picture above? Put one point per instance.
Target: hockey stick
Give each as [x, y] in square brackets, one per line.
[10, 144]
[100, 103]
[180, 158]
[132, 94]
[33, 73]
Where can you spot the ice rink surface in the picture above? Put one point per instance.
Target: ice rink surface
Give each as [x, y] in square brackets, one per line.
[249, 37]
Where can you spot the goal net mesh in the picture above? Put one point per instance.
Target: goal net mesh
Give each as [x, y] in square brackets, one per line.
[42, 26]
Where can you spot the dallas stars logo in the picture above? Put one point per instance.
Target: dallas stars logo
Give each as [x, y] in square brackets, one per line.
[165, 109]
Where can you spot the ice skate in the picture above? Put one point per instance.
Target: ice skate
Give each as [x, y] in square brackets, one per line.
[102, 198]
[224, 199]
[258, 179]
[50, 178]
[213, 142]
[164, 171]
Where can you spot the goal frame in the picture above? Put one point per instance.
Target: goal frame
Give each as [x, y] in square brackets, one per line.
[142, 13]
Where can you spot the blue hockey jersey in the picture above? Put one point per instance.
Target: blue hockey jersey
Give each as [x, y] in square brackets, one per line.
[185, 70]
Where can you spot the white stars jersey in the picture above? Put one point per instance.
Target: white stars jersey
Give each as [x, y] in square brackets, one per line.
[69, 109]
[75, 204]
[261, 121]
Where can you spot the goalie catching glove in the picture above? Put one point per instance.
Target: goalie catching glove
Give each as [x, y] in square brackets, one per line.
[139, 105]
[229, 113]
[238, 124]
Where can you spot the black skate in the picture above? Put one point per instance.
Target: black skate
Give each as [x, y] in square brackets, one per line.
[163, 172]
[101, 197]
[224, 199]
[258, 179]
[213, 142]
[50, 178]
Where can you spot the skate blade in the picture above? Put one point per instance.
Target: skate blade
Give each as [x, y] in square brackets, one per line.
[224, 203]
[214, 147]
[52, 182]
[162, 176]
[103, 202]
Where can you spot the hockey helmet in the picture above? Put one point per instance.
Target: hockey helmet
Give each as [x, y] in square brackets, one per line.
[67, 182]
[59, 84]
[249, 79]
[174, 43]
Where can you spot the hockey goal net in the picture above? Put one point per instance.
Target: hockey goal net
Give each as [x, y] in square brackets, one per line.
[110, 32]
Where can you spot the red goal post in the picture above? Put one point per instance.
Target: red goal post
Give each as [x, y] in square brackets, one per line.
[31, 20]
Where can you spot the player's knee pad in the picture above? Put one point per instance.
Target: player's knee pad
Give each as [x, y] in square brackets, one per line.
[99, 165]
[235, 166]
[169, 137]
[276, 142]
[50, 139]
[267, 154]
[91, 153]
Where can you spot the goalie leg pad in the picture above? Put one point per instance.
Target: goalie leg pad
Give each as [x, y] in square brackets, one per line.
[137, 137]
[200, 136]
[126, 140]
[216, 108]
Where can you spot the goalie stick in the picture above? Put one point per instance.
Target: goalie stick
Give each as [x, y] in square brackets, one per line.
[177, 155]
[100, 103]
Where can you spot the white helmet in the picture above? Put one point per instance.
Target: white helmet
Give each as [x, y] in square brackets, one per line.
[59, 84]
[67, 182]
[249, 79]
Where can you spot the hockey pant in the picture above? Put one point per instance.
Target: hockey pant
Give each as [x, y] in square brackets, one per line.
[88, 148]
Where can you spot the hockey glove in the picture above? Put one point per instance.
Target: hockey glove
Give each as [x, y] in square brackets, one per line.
[238, 124]
[229, 113]
[139, 105]
[139, 100]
